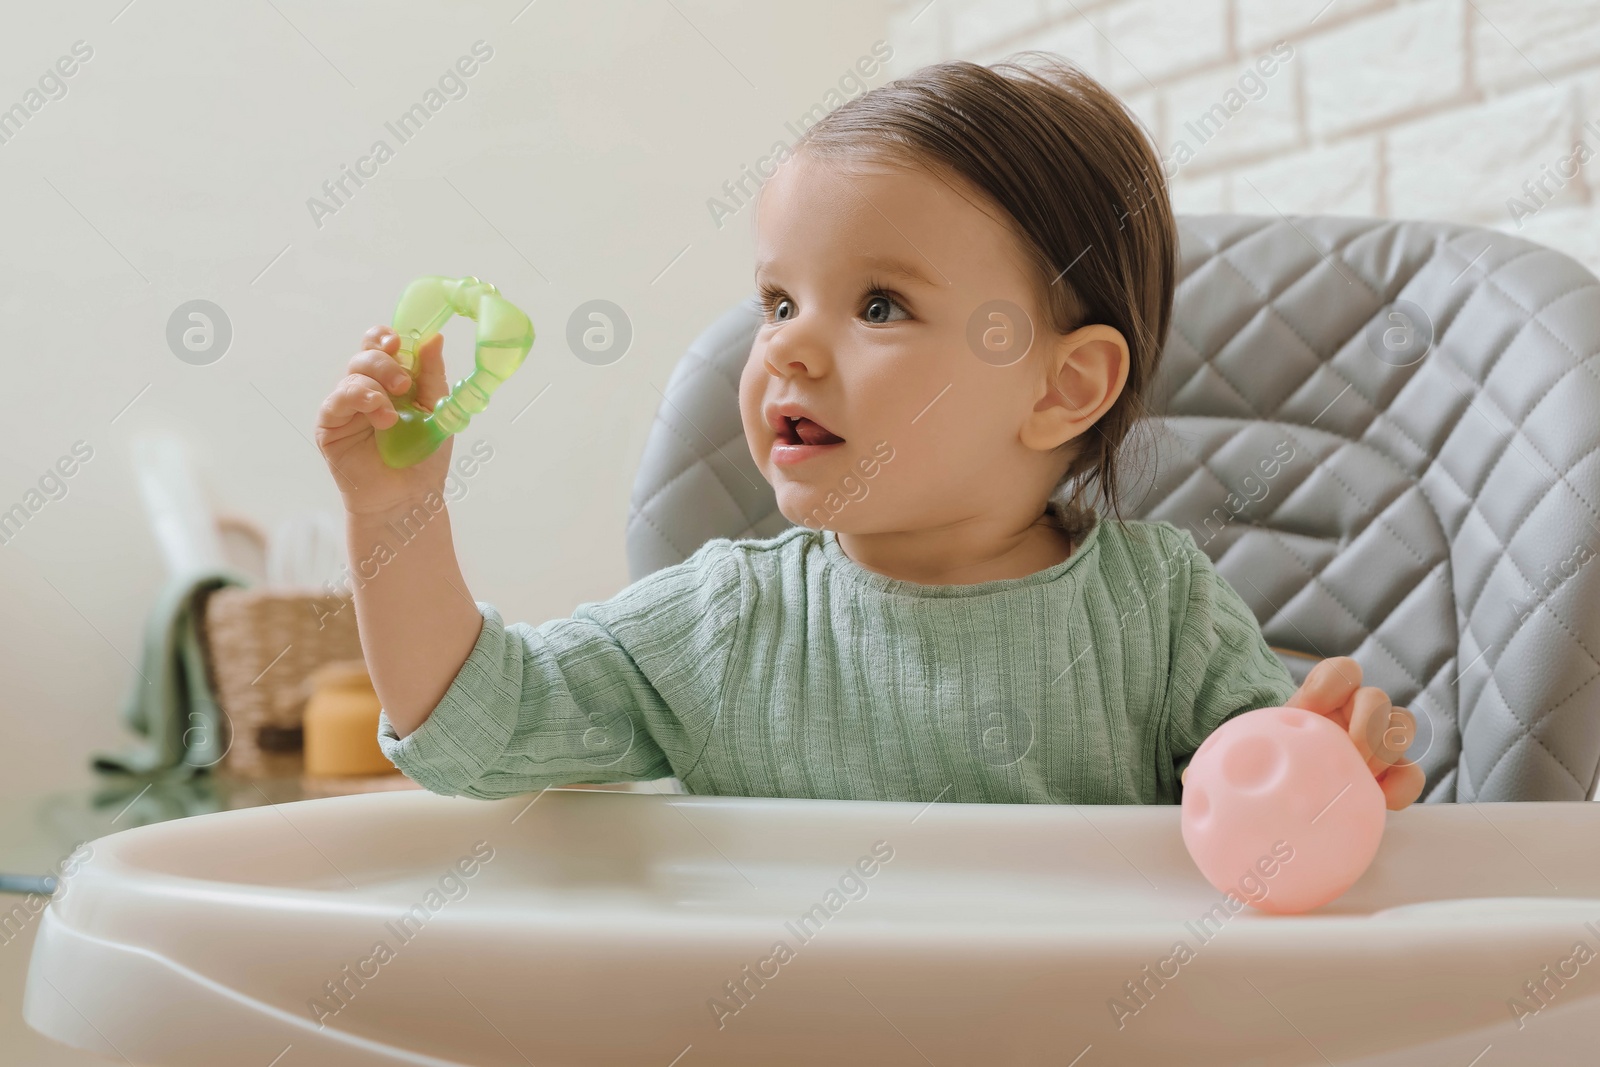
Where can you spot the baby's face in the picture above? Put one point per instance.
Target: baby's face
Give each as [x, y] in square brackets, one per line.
[864, 403]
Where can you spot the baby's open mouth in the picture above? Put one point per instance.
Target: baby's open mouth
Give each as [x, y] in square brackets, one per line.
[801, 431]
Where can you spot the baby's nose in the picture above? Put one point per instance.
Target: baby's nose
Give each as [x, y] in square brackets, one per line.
[793, 366]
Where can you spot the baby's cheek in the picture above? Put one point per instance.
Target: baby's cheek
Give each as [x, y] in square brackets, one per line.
[752, 380]
[757, 436]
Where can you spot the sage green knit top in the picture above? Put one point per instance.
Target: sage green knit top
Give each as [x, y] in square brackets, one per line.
[780, 667]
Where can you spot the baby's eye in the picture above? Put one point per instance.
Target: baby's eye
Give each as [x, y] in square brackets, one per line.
[779, 308]
[879, 308]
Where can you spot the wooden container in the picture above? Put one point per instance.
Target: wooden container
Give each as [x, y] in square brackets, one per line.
[262, 646]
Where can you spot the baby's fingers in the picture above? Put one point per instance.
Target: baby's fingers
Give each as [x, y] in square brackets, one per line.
[1401, 784]
[1381, 732]
[383, 338]
[381, 369]
[1328, 688]
[356, 395]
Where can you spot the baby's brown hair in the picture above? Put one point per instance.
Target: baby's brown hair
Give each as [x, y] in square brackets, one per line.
[1076, 173]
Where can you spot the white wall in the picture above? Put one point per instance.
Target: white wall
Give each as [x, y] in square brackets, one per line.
[1424, 109]
[178, 166]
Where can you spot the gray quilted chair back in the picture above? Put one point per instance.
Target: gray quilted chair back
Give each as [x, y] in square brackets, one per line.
[1383, 433]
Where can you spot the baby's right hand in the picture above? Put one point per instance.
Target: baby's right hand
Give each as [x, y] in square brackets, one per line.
[360, 404]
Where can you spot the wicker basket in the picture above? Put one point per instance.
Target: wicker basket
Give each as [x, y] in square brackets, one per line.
[262, 646]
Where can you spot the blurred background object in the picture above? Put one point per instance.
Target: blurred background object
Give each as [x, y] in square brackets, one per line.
[231, 660]
[341, 723]
[171, 706]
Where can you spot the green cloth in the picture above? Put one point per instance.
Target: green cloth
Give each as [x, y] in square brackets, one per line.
[171, 705]
[779, 667]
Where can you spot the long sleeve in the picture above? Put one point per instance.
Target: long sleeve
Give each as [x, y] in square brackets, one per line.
[623, 690]
[1221, 664]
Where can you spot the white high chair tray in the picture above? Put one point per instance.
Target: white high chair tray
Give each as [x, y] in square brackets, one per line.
[618, 928]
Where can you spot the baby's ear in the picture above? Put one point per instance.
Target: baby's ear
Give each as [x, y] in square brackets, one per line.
[1085, 372]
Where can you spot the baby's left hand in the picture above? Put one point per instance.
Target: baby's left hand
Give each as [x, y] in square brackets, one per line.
[1380, 732]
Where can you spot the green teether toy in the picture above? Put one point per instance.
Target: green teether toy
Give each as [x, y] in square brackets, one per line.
[504, 337]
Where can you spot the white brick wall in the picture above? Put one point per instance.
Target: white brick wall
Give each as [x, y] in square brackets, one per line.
[1445, 165]
[1336, 179]
[1515, 40]
[1404, 108]
[1232, 113]
[1149, 40]
[1390, 65]
[975, 26]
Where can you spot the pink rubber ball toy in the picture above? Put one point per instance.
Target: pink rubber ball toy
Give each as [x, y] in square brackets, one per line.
[1280, 810]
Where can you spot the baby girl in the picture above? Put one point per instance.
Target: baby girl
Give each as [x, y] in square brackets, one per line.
[966, 278]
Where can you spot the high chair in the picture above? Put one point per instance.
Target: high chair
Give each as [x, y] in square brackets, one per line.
[1432, 385]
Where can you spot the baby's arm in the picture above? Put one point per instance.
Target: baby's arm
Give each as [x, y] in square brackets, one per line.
[417, 622]
[622, 690]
